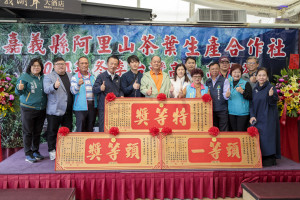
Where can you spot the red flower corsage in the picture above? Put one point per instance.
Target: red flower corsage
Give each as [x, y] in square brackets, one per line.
[214, 131]
[110, 97]
[206, 98]
[252, 131]
[154, 131]
[63, 131]
[161, 97]
[166, 131]
[114, 131]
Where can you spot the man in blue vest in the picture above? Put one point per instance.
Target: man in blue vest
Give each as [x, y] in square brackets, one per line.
[218, 87]
[85, 102]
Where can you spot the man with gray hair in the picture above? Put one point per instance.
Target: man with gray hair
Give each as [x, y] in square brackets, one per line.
[252, 65]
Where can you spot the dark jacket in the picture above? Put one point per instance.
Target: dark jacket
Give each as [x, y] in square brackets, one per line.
[127, 81]
[110, 86]
[264, 108]
[32, 96]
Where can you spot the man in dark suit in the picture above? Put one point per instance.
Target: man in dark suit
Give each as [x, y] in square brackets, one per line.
[105, 83]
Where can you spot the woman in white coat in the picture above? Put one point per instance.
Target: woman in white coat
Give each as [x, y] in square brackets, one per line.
[180, 80]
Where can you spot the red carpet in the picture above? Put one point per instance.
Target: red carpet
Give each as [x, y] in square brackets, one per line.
[16, 173]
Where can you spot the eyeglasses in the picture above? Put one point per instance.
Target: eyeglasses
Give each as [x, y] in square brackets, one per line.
[251, 63]
[60, 64]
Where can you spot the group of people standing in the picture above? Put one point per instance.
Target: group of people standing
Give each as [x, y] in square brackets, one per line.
[238, 99]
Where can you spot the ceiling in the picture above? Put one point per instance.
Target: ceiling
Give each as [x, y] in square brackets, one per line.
[90, 13]
[263, 8]
[272, 3]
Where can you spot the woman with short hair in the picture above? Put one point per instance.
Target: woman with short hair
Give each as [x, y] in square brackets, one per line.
[264, 115]
[239, 95]
[195, 89]
[33, 102]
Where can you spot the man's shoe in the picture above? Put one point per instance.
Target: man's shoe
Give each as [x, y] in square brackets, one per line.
[38, 156]
[30, 158]
[52, 154]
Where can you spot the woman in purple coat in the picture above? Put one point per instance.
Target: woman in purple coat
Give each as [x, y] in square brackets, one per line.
[264, 114]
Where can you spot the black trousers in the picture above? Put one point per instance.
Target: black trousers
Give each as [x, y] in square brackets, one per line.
[220, 119]
[239, 123]
[85, 120]
[101, 120]
[54, 122]
[32, 125]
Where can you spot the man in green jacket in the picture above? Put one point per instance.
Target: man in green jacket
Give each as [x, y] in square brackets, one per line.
[156, 81]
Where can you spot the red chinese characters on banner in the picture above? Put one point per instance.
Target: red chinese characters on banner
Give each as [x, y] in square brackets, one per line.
[76, 68]
[106, 150]
[69, 66]
[245, 69]
[148, 47]
[121, 69]
[48, 66]
[207, 73]
[191, 46]
[126, 47]
[36, 44]
[275, 50]
[257, 44]
[145, 116]
[212, 49]
[169, 44]
[99, 66]
[234, 47]
[82, 43]
[142, 68]
[172, 71]
[224, 150]
[13, 46]
[104, 42]
[59, 43]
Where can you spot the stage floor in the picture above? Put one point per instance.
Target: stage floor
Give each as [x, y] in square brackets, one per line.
[16, 164]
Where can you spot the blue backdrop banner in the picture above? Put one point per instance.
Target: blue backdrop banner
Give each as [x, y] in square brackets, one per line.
[22, 42]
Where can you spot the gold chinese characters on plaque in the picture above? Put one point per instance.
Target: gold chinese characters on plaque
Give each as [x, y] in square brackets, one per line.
[100, 151]
[140, 114]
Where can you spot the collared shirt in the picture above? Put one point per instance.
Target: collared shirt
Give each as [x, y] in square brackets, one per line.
[157, 78]
[247, 77]
[198, 90]
[112, 75]
[75, 87]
